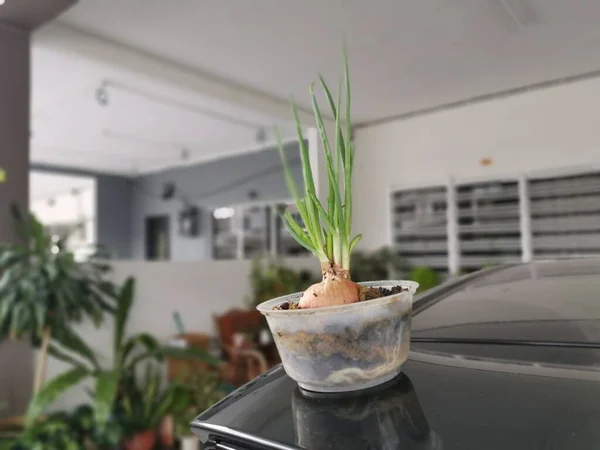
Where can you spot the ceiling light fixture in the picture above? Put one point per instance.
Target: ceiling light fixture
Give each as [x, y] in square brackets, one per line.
[224, 213]
[182, 106]
[2, 2]
[101, 94]
[261, 135]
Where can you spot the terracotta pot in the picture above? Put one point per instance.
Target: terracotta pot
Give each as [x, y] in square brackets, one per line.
[145, 440]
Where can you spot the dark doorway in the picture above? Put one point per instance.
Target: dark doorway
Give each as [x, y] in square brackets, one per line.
[158, 242]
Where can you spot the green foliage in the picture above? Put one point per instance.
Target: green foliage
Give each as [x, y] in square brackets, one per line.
[327, 232]
[113, 383]
[65, 431]
[51, 392]
[270, 278]
[205, 389]
[107, 387]
[142, 404]
[43, 287]
[426, 277]
[382, 264]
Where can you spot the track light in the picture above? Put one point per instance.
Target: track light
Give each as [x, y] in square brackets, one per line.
[101, 94]
[168, 191]
[261, 135]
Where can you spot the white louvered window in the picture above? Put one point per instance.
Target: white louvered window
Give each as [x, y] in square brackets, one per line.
[420, 227]
[565, 215]
[488, 224]
[561, 215]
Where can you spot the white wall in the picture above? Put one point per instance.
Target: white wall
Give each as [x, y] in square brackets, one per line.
[548, 129]
[197, 289]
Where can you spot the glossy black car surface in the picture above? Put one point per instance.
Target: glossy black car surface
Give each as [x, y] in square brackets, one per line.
[508, 358]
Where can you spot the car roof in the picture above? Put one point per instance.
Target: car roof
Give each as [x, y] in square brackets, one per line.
[452, 394]
[552, 301]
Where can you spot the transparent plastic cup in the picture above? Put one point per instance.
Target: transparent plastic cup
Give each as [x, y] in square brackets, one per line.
[343, 348]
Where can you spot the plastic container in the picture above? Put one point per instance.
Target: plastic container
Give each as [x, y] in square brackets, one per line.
[343, 348]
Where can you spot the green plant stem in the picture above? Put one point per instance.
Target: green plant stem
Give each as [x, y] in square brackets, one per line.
[42, 361]
[326, 233]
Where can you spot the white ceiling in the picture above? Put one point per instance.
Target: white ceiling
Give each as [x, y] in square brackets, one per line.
[405, 55]
[144, 126]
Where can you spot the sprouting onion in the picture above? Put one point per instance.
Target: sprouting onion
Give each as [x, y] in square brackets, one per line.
[327, 229]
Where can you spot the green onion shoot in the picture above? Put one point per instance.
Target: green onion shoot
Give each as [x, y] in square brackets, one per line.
[326, 230]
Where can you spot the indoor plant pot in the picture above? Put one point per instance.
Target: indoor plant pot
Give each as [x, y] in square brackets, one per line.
[347, 347]
[146, 440]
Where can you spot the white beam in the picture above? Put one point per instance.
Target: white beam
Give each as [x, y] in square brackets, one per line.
[81, 44]
[452, 229]
[525, 220]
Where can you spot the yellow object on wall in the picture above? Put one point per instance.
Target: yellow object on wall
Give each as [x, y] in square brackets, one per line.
[2, 175]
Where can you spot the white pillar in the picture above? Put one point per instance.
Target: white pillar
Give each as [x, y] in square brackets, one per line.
[452, 230]
[525, 216]
[238, 224]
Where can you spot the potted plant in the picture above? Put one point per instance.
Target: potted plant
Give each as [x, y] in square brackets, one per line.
[380, 264]
[337, 335]
[128, 353]
[43, 290]
[143, 405]
[205, 389]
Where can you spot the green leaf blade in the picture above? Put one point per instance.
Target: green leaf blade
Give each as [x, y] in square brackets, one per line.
[107, 386]
[297, 232]
[51, 391]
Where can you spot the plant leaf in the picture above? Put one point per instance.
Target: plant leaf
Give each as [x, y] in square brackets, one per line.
[125, 301]
[322, 213]
[69, 339]
[146, 340]
[58, 354]
[51, 391]
[296, 232]
[339, 140]
[289, 177]
[309, 183]
[107, 386]
[354, 241]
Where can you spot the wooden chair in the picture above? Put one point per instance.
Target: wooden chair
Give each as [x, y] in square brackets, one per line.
[245, 361]
[177, 369]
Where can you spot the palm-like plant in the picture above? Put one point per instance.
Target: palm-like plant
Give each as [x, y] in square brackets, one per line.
[128, 352]
[145, 402]
[43, 290]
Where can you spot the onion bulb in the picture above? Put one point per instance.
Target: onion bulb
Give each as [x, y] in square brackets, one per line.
[335, 289]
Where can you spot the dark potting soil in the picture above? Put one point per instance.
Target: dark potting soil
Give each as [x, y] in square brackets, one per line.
[370, 293]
